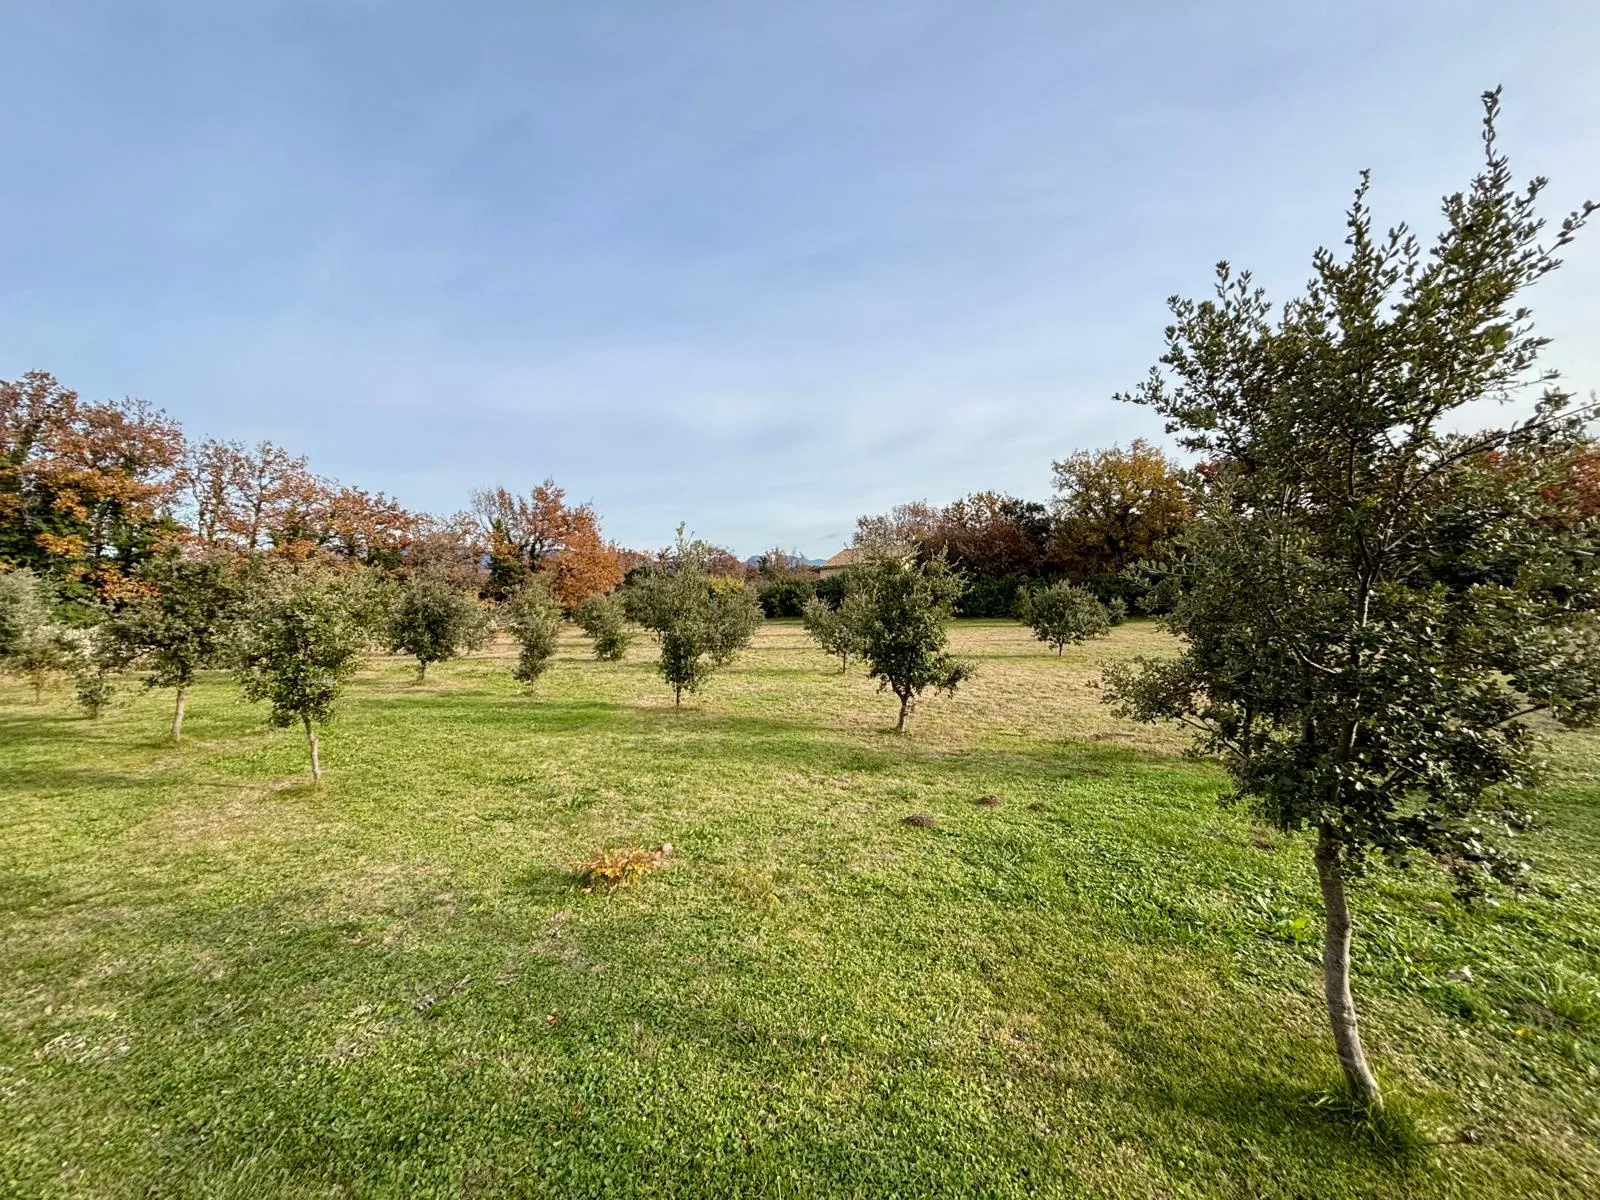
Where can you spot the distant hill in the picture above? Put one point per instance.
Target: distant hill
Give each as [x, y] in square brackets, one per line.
[794, 561]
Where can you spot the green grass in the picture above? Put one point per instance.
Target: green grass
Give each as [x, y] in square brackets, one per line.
[217, 982]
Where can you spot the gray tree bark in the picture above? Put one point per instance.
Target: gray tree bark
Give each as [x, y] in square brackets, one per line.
[1336, 973]
[316, 762]
[177, 714]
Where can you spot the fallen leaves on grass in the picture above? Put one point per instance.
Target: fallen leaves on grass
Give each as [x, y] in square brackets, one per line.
[610, 869]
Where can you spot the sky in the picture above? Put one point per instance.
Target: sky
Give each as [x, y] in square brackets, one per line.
[760, 267]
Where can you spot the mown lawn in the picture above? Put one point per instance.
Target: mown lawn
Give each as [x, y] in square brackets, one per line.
[217, 982]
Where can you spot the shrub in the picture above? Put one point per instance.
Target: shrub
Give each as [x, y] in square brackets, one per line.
[786, 597]
[989, 596]
[604, 619]
[1062, 613]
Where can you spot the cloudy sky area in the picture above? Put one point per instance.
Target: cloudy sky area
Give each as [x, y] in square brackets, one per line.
[757, 266]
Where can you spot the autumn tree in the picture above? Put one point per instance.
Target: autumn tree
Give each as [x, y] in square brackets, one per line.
[85, 489]
[604, 619]
[533, 617]
[1376, 605]
[432, 620]
[1116, 507]
[541, 532]
[181, 619]
[1063, 613]
[905, 606]
[302, 639]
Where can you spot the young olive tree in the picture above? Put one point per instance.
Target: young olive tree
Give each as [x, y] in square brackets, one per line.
[1373, 605]
[604, 620]
[904, 607]
[432, 620]
[733, 614]
[837, 630]
[701, 621]
[300, 642]
[533, 616]
[1062, 613]
[33, 644]
[182, 621]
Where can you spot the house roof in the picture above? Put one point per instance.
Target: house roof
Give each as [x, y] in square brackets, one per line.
[848, 557]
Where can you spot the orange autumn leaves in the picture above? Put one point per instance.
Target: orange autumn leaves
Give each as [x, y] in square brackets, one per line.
[88, 490]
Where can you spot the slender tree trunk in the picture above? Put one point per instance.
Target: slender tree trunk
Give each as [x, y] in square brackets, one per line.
[177, 713]
[844, 663]
[1060, 646]
[1336, 973]
[316, 762]
[905, 703]
[422, 669]
[677, 697]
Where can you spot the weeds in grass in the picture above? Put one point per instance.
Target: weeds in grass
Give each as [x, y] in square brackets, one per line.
[610, 869]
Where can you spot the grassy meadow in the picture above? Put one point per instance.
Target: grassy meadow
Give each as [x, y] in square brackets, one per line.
[218, 982]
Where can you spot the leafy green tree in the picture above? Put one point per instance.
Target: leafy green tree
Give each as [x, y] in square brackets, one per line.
[433, 620]
[837, 630]
[1062, 613]
[533, 616]
[97, 662]
[180, 622]
[1374, 605]
[701, 620]
[732, 616]
[604, 619]
[905, 605]
[301, 641]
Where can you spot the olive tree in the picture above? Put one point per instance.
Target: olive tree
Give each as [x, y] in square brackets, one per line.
[180, 621]
[701, 621]
[533, 617]
[904, 607]
[432, 620]
[1062, 613]
[300, 642]
[1372, 604]
[604, 620]
[837, 630]
[33, 643]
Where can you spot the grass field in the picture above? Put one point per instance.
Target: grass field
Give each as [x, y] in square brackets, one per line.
[215, 981]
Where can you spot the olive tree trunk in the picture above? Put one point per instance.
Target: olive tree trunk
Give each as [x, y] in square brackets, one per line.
[316, 762]
[905, 704]
[177, 713]
[1336, 973]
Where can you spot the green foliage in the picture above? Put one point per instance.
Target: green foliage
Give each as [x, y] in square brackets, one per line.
[786, 597]
[34, 645]
[604, 620]
[732, 617]
[905, 605]
[1371, 606]
[300, 641]
[95, 690]
[837, 630]
[1062, 613]
[702, 621]
[533, 617]
[989, 596]
[433, 620]
[181, 620]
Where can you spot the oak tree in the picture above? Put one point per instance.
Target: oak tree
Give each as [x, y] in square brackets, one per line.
[1375, 605]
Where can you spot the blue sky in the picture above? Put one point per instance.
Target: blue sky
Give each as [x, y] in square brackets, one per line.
[757, 266]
